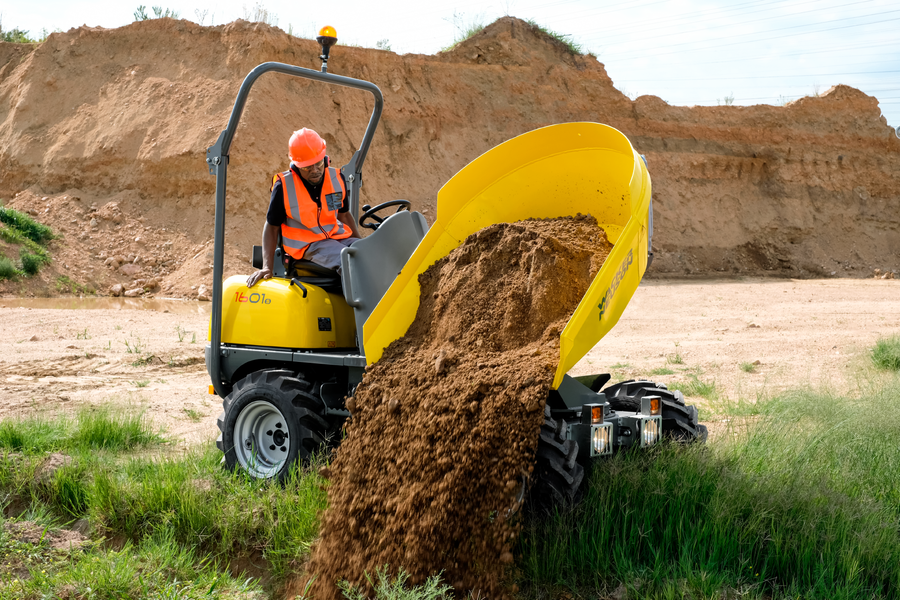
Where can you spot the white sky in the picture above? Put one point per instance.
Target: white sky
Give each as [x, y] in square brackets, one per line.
[685, 51]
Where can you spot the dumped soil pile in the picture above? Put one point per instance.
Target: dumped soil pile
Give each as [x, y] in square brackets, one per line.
[445, 426]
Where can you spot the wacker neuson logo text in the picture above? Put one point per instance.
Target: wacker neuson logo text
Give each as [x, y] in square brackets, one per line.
[620, 274]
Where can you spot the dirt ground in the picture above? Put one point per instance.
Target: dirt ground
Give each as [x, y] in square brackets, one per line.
[801, 331]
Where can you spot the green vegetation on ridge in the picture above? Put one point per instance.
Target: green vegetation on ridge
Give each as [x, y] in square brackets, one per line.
[31, 237]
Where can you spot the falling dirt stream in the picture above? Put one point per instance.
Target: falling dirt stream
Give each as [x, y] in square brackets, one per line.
[444, 427]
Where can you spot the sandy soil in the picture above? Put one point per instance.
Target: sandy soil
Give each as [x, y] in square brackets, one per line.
[802, 332]
[55, 359]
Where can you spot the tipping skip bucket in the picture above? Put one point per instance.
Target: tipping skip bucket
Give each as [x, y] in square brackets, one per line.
[555, 171]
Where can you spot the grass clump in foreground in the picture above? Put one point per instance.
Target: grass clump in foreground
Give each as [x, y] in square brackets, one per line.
[694, 386]
[170, 509]
[803, 503]
[886, 353]
[92, 428]
[387, 588]
[156, 568]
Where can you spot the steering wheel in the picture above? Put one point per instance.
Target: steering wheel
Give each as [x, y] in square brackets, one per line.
[369, 212]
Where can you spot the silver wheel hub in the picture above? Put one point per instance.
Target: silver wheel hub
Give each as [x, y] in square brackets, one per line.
[262, 440]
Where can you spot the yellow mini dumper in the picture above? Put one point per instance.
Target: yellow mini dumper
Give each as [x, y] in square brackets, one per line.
[285, 354]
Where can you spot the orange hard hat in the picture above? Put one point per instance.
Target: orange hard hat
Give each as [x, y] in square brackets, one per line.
[306, 147]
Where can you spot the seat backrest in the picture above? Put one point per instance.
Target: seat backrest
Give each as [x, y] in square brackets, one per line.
[369, 266]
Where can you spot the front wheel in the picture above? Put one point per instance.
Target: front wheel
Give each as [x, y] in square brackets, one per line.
[266, 425]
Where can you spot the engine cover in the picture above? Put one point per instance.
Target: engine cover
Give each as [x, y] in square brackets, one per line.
[276, 314]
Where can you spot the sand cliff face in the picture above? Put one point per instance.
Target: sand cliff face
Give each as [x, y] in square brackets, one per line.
[126, 115]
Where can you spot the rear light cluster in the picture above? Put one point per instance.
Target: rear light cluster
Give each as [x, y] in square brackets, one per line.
[601, 430]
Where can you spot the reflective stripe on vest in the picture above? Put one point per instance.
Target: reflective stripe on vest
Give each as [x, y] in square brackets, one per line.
[307, 222]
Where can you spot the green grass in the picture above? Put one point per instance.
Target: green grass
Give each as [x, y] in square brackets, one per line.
[388, 588]
[662, 371]
[802, 502]
[7, 269]
[156, 568]
[19, 221]
[464, 29]
[886, 353]
[124, 480]
[65, 285]
[694, 386]
[90, 429]
[32, 263]
[748, 367]
[675, 358]
[18, 228]
[563, 38]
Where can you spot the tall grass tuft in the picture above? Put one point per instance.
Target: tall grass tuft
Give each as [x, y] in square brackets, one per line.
[802, 502]
[32, 263]
[7, 268]
[103, 429]
[465, 28]
[93, 428]
[204, 506]
[387, 588]
[886, 353]
[694, 386]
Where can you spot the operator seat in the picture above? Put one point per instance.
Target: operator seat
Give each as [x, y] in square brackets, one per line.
[304, 271]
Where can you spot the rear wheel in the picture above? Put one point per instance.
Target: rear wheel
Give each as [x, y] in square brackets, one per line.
[679, 421]
[270, 421]
[557, 477]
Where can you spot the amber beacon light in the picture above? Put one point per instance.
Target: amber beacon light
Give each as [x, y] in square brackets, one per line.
[327, 38]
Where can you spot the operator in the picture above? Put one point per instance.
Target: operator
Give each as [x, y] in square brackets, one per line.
[314, 215]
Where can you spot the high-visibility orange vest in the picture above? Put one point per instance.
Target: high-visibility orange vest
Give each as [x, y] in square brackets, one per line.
[306, 221]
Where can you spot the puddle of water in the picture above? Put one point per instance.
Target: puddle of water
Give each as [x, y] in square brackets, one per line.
[172, 305]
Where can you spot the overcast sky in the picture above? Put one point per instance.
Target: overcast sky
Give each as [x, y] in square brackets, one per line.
[687, 52]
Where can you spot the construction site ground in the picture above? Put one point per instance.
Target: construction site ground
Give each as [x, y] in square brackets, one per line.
[802, 332]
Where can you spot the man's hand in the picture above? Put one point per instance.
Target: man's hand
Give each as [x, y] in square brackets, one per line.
[261, 274]
[269, 241]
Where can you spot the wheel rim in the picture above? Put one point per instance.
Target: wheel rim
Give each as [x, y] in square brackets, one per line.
[261, 440]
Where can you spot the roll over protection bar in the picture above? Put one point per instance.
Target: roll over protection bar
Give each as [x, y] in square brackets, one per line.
[217, 160]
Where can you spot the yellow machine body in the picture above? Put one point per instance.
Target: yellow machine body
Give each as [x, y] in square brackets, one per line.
[555, 171]
[274, 313]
